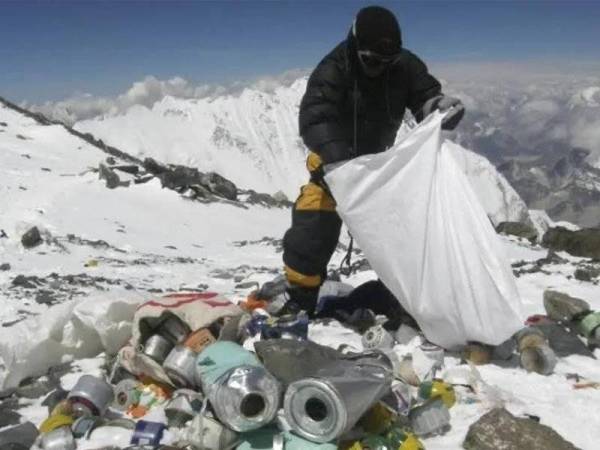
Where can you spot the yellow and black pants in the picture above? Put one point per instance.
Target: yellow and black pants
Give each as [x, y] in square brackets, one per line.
[310, 242]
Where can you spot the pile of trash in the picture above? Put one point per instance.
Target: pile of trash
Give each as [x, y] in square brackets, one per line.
[200, 372]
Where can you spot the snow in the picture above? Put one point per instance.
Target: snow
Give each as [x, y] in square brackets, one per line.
[253, 140]
[139, 222]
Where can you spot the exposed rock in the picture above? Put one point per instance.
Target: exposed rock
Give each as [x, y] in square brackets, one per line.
[518, 229]
[585, 242]
[130, 169]
[19, 437]
[4, 267]
[31, 238]
[8, 417]
[279, 196]
[44, 297]
[551, 258]
[587, 273]
[112, 179]
[500, 430]
[25, 282]
[563, 307]
[220, 185]
[256, 198]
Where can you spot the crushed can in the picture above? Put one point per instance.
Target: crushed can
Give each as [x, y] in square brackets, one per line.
[540, 359]
[183, 407]
[174, 329]
[180, 366]
[148, 433]
[199, 340]
[58, 439]
[91, 396]
[208, 434]
[377, 337]
[157, 347]
[438, 389]
[430, 418]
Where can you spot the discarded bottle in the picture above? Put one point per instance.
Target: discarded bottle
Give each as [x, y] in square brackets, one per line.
[438, 389]
[430, 418]
[126, 394]
[206, 433]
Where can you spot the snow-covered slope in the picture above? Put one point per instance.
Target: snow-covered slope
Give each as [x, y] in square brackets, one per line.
[253, 140]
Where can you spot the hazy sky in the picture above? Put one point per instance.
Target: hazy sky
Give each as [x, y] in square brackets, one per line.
[53, 49]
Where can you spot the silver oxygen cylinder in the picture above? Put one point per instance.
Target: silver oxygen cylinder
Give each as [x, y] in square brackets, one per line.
[323, 407]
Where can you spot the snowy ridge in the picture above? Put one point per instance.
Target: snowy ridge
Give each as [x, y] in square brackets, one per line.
[253, 140]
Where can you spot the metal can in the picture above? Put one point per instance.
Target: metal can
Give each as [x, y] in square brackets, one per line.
[59, 439]
[199, 340]
[157, 347]
[530, 337]
[540, 359]
[174, 329]
[126, 394]
[183, 407]
[377, 337]
[180, 366]
[148, 433]
[91, 394]
[434, 353]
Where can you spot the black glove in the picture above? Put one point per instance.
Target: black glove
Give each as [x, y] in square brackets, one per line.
[445, 103]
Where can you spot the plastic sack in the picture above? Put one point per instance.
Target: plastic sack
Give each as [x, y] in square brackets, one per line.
[415, 216]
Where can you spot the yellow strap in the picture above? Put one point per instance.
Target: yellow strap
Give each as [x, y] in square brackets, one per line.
[313, 162]
[299, 279]
[314, 198]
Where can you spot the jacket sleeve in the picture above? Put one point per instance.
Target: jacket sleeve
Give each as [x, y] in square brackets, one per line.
[423, 85]
[321, 124]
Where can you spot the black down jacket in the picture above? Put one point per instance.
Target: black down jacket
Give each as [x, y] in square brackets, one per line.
[338, 95]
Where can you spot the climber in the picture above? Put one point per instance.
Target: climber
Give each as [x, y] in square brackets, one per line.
[354, 103]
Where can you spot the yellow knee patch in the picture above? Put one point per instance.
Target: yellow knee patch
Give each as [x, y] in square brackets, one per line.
[314, 198]
[313, 162]
[299, 279]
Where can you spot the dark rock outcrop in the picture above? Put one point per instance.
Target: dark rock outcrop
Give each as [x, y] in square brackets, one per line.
[518, 229]
[31, 238]
[499, 429]
[585, 242]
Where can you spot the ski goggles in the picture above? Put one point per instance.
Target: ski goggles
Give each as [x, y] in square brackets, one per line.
[373, 59]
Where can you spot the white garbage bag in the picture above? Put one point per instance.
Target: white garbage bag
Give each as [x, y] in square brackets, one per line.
[417, 219]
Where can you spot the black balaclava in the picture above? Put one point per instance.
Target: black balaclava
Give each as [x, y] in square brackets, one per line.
[376, 29]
